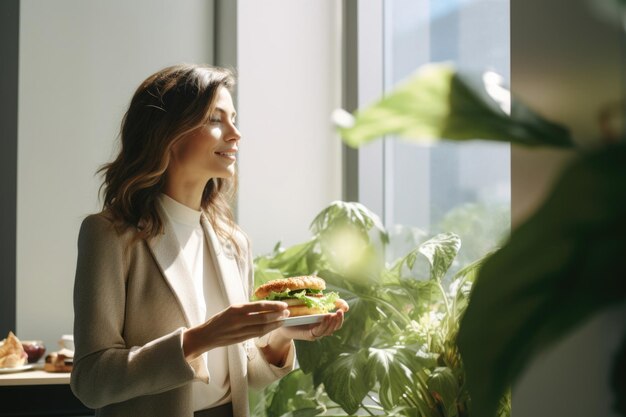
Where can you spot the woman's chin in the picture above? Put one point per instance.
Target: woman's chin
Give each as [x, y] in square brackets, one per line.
[225, 174]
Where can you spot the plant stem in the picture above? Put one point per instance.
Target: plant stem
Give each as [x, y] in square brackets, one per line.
[423, 387]
[374, 399]
[456, 296]
[367, 409]
[388, 305]
[445, 299]
[410, 401]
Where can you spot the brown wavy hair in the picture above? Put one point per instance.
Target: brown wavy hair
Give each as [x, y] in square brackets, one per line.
[167, 105]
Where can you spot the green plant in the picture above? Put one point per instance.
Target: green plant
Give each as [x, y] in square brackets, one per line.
[613, 11]
[561, 266]
[439, 102]
[396, 353]
[481, 227]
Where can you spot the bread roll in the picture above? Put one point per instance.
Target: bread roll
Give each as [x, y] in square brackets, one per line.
[294, 283]
[12, 353]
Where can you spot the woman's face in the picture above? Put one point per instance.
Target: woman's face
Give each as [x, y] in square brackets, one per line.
[210, 151]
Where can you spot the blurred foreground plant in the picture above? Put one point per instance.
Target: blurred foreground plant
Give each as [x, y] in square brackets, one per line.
[560, 267]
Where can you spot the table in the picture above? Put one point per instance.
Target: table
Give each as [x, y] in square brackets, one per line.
[39, 393]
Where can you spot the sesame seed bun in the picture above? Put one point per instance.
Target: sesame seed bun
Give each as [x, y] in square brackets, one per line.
[294, 283]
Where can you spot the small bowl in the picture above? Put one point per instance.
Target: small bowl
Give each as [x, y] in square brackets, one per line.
[34, 349]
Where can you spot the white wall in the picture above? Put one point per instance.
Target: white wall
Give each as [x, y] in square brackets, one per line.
[289, 83]
[80, 62]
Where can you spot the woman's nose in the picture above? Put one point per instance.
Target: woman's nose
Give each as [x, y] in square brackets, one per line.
[234, 133]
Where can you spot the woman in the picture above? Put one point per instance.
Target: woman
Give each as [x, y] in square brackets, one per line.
[163, 323]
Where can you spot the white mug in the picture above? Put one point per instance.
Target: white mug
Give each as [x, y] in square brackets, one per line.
[67, 342]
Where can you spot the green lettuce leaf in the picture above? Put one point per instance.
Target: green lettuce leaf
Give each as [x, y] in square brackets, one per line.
[327, 302]
[279, 295]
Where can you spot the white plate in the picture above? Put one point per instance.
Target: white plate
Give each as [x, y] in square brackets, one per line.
[302, 320]
[17, 369]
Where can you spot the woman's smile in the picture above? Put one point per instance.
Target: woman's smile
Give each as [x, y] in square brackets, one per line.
[228, 154]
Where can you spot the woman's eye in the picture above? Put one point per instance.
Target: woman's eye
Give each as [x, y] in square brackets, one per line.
[215, 120]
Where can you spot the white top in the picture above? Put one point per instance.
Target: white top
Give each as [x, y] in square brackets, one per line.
[190, 236]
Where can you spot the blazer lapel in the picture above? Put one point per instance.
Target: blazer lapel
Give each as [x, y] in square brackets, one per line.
[167, 253]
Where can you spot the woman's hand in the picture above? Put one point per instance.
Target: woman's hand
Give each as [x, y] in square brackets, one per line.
[310, 332]
[233, 325]
[280, 339]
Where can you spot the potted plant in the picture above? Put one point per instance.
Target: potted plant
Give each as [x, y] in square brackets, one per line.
[396, 353]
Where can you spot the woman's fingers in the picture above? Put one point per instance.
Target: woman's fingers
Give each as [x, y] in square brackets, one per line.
[242, 315]
[323, 328]
[241, 322]
[260, 307]
[329, 325]
[338, 320]
[228, 336]
[248, 320]
[342, 305]
[310, 332]
[263, 318]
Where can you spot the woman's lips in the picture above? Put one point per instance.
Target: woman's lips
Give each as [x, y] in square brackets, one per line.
[231, 155]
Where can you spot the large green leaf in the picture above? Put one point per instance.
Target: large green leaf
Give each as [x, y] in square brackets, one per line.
[618, 378]
[469, 272]
[480, 226]
[444, 387]
[439, 102]
[364, 300]
[261, 275]
[344, 232]
[294, 395]
[462, 284]
[396, 369]
[303, 412]
[361, 317]
[440, 252]
[314, 356]
[295, 260]
[612, 11]
[339, 213]
[394, 377]
[348, 379]
[558, 268]
[416, 294]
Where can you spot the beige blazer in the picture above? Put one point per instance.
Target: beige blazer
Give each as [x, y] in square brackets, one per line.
[132, 301]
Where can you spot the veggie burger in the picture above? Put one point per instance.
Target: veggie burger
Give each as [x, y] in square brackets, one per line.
[304, 295]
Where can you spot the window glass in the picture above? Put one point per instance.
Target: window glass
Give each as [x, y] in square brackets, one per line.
[457, 187]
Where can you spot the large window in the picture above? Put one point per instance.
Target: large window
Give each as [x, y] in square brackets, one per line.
[457, 187]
